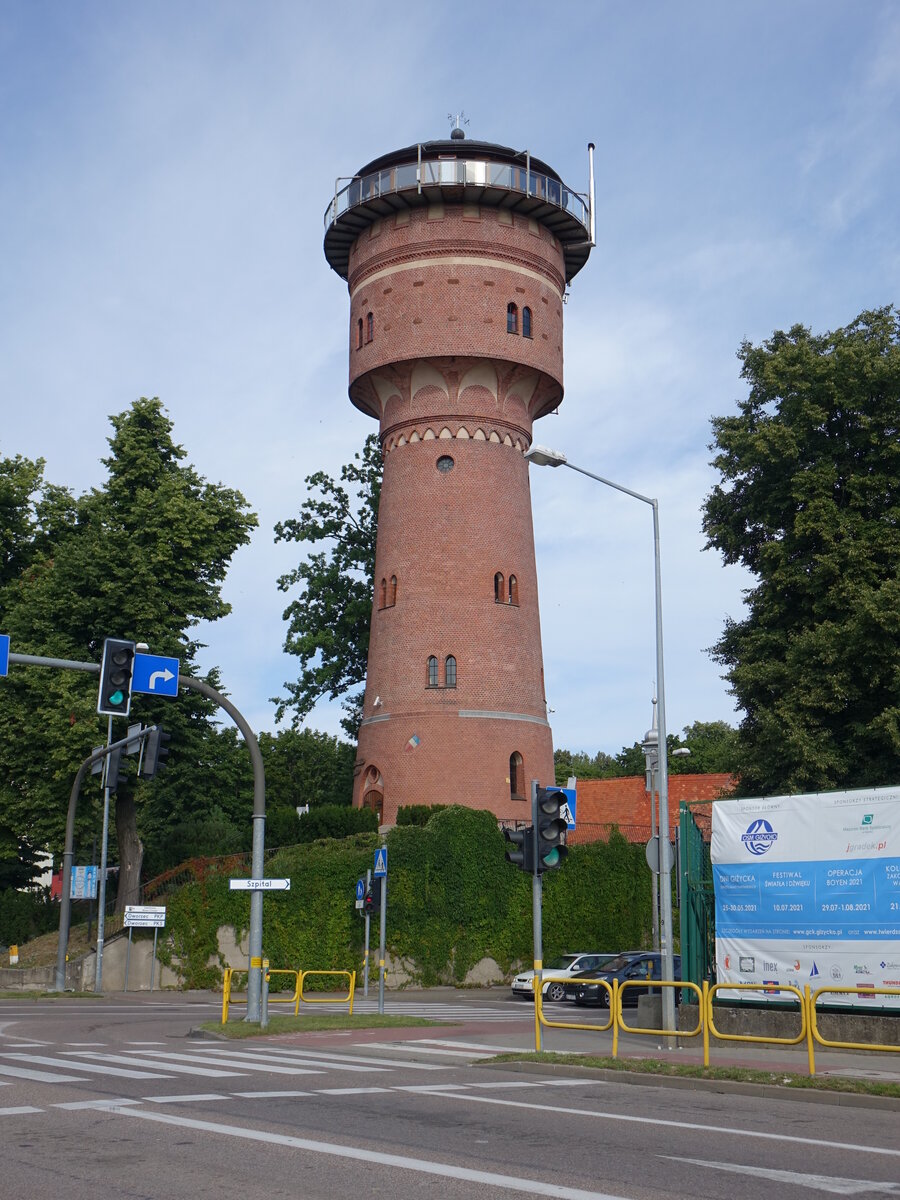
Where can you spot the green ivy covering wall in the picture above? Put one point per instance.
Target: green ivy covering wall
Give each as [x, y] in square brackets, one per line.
[452, 900]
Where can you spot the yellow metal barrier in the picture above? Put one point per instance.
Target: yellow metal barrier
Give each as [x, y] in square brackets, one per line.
[351, 979]
[815, 1036]
[228, 987]
[548, 1024]
[755, 1037]
[661, 983]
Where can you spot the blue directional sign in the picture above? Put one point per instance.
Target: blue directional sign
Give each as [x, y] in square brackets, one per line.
[4, 653]
[380, 871]
[360, 889]
[155, 676]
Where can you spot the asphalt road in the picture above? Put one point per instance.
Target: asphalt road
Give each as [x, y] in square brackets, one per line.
[112, 1098]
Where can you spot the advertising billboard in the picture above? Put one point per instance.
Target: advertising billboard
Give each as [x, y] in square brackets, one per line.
[808, 892]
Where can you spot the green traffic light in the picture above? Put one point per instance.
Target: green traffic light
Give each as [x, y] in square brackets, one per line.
[117, 697]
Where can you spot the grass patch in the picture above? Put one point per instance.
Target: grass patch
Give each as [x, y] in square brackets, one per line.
[652, 1066]
[316, 1024]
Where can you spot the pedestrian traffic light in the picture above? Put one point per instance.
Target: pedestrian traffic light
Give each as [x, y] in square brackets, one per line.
[114, 699]
[551, 829]
[155, 752]
[520, 850]
[372, 899]
[114, 775]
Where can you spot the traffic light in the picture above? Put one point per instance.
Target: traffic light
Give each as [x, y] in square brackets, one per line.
[155, 752]
[551, 829]
[372, 899]
[114, 775]
[520, 851]
[114, 699]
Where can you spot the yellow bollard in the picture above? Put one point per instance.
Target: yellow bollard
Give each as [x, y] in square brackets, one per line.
[703, 1017]
[810, 1017]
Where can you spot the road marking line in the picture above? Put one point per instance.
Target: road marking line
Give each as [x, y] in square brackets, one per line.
[365, 1155]
[40, 1076]
[15, 1112]
[185, 1099]
[611, 1116]
[317, 1055]
[244, 1066]
[824, 1183]
[178, 1068]
[308, 1060]
[360, 1091]
[269, 1095]
[74, 1105]
[93, 1068]
[416, 1047]
[468, 1045]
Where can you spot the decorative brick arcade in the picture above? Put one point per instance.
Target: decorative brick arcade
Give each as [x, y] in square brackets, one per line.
[457, 255]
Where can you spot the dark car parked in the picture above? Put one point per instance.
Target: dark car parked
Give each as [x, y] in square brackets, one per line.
[627, 968]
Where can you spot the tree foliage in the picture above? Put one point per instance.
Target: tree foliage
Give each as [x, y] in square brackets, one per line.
[142, 557]
[328, 622]
[713, 747]
[809, 502]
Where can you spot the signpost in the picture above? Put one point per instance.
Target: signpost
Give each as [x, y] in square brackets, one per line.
[4, 653]
[380, 872]
[259, 885]
[360, 892]
[83, 883]
[143, 916]
[155, 676]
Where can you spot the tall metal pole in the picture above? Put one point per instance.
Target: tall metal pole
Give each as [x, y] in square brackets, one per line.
[537, 920]
[543, 456]
[381, 939]
[368, 925]
[104, 842]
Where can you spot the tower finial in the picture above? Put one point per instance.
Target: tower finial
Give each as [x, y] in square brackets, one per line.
[457, 133]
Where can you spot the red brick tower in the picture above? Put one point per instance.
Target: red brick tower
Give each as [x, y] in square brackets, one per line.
[457, 255]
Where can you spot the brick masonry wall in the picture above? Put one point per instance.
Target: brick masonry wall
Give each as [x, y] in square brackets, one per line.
[446, 380]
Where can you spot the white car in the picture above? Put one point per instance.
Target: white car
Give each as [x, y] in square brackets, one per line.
[558, 968]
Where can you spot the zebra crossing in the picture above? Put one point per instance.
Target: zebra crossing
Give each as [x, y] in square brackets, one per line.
[210, 1060]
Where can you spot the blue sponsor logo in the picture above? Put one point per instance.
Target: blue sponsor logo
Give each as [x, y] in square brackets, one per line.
[759, 838]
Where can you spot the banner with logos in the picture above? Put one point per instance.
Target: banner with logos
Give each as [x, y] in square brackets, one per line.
[808, 892]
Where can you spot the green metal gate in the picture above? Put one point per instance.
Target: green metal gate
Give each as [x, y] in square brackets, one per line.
[698, 923]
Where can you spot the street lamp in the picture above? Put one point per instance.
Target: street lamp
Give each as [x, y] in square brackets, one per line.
[543, 457]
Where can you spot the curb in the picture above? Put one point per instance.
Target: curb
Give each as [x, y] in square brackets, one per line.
[733, 1087]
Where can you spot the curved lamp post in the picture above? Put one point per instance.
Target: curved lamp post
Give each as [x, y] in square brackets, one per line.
[541, 456]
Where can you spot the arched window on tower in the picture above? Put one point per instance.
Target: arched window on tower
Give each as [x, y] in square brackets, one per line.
[526, 322]
[516, 776]
[370, 327]
[513, 590]
[512, 318]
[359, 335]
[432, 675]
[498, 588]
[450, 671]
[393, 594]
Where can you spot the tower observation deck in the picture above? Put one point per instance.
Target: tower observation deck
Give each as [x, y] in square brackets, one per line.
[457, 255]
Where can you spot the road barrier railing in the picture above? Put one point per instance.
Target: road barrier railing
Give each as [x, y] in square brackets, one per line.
[813, 1034]
[348, 999]
[649, 1032]
[768, 1039]
[228, 989]
[548, 1024]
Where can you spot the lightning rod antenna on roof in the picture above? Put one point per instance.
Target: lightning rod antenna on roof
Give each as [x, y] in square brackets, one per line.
[457, 133]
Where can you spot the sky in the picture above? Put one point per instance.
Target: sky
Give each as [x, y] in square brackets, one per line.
[164, 173]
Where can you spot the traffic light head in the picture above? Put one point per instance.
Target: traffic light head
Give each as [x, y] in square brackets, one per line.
[114, 699]
[114, 773]
[372, 899]
[520, 848]
[156, 752]
[551, 829]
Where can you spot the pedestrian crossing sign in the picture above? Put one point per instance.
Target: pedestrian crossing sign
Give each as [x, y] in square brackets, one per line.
[380, 871]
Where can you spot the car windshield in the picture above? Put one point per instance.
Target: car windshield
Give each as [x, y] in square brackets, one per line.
[562, 963]
[616, 964]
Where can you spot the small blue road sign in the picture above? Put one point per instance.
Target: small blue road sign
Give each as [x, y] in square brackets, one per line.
[360, 889]
[380, 871]
[155, 676]
[4, 653]
[568, 809]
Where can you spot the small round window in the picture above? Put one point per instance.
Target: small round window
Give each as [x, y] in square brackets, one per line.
[445, 463]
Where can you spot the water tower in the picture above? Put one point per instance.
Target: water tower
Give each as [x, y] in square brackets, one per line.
[457, 256]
